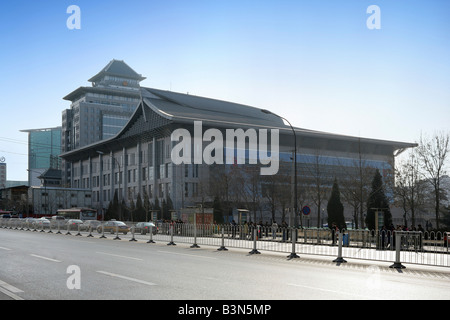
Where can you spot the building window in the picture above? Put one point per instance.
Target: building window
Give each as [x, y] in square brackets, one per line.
[194, 189]
[161, 190]
[144, 174]
[195, 171]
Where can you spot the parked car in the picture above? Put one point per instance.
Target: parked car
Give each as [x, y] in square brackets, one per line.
[73, 224]
[92, 224]
[114, 226]
[58, 221]
[41, 223]
[144, 227]
[28, 221]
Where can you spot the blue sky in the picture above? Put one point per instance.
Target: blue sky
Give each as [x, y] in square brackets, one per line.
[314, 62]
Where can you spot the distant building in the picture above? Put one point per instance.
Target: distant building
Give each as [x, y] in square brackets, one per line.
[51, 178]
[2, 175]
[44, 148]
[14, 199]
[47, 200]
[100, 112]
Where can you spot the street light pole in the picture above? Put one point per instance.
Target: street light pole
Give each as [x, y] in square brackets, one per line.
[295, 164]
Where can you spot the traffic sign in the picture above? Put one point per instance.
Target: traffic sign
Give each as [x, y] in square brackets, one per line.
[306, 210]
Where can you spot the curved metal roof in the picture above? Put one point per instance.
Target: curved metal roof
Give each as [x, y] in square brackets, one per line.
[159, 108]
[185, 107]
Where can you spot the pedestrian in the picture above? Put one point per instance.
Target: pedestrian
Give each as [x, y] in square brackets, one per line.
[233, 228]
[284, 226]
[421, 230]
[274, 229]
[245, 229]
[266, 228]
[334, 232]
[383, 237]
[259, 229]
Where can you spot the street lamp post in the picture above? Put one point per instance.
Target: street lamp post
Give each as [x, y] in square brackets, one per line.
[294, 230]
[295, 164]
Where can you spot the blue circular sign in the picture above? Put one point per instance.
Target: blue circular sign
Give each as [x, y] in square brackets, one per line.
[306, 210]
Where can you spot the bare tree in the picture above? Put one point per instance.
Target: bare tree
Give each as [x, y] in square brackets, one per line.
[276, 189]
[224, 186]
[433, 154]
[319, 183]
[355, 187]
[409, 189]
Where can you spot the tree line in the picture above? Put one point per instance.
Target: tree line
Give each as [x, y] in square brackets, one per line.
[139, 210]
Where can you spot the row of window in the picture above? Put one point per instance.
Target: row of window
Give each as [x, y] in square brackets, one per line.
[122, 80]
[191, 189]
[111, 97]
[165, 171]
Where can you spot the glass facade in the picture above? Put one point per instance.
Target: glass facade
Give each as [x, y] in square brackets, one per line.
[44, 148]
[112, 124]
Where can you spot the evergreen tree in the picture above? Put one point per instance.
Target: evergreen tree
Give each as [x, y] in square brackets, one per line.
[147, 206]
[113, 208]
[124, 210]
[378, 201]
[335, 208]
[131, 210]
[446, 216]
[217, 211]
[167, 207]
[165, 210]
[139, 213]
[157, 208]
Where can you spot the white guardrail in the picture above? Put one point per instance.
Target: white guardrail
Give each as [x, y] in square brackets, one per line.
[397, 247]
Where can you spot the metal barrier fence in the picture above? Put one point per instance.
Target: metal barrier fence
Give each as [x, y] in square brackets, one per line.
[428, 248]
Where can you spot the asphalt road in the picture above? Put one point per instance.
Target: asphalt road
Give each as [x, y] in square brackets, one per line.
[43, 266]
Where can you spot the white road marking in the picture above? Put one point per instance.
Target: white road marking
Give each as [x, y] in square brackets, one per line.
[328, 290]
[116, 255]
[10, 290]
[45, 258]
[189, 255]
[9, 287]
[10, 294]
[127, 278]
[7, 249]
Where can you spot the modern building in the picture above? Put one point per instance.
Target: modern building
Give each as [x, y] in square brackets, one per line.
[99, 112]
[139, 159]
[2, 175]
[45, 201]
[14, 199]
[44, 148]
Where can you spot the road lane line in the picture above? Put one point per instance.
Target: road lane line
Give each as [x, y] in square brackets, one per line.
[7, 249]
[10, 294]
[186, 254]
[116, 255]
[45, 258]
[330, 291]
[9, 287]
[127, 278]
